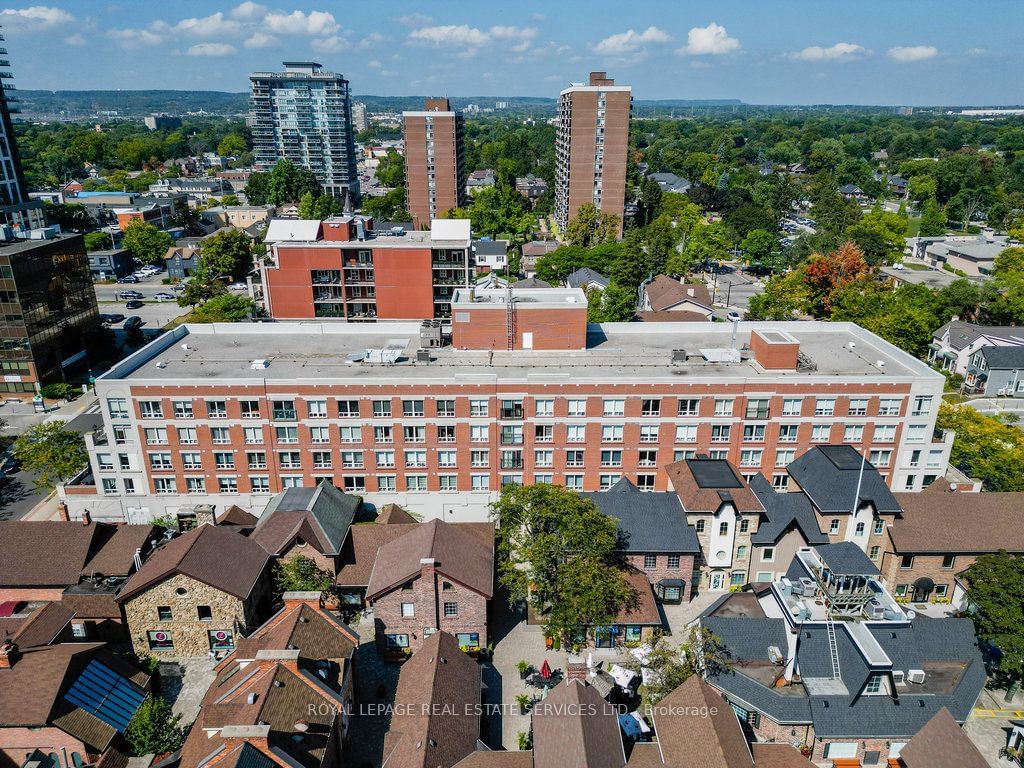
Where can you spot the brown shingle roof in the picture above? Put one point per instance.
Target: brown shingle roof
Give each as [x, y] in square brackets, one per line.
[575, 728]
[664, 292]
[487, 759]
[689, 740]
[778, 755]
[117, 556]
[47, 554]
[460, 555]
[644, 610]
[360, 551]
[435, 723]
[671, 316]
[43, 626]
[941, 744]
[709, 498]
[235, 515]
[391, 514]
[217, 556]
[315, 633]
[940, 520]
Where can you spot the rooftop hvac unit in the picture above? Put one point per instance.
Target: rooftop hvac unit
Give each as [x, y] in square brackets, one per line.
[422, 355]
[874, 610]
[800, 611]
[678, 355]
[430, 333]
[785, 586]
[807, 586]
[915, 676]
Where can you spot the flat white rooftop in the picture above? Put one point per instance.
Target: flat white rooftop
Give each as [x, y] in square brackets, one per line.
[616, 352]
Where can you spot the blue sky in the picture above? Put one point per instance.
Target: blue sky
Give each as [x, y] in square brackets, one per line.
[761, 51]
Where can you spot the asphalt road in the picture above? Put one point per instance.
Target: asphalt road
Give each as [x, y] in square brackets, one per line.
[18, 495]
[733, 289]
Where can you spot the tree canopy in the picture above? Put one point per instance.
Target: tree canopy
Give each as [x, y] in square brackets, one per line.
[55, 454]
[986, 447]
[285, 183]
[146, 243]
[995, 584]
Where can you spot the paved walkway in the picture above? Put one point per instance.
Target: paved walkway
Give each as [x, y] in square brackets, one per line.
[989, 724]
[184, 682]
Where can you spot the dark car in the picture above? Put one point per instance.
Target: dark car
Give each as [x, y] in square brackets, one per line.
[129, 279]
[134, 304]
[134, 321]
[113, 317]
[129, 295]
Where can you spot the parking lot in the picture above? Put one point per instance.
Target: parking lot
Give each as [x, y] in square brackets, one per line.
[154, 314]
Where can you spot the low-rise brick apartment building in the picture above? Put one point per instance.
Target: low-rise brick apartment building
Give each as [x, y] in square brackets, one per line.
[231, 414]
[343, 268]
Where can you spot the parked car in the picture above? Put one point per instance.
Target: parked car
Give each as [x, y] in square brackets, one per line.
[733, 316]
[111, 318]
[129, 279]
[238, 287]
[129, 295]
[134, 321]
[164, 296]
[134, 304]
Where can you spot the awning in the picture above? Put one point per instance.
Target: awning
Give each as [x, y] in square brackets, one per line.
[671, 583]
[924, 583]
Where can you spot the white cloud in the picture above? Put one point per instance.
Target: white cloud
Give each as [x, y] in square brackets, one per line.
[75, 39]
[466, 40]
[315, 24]
[260, 40]
[977, 51]
[372, 39]
[248, 11]
[332, 44]
[211, 49]
[910, 53]
[374, 64]
[135, 38]
[837, 52]
[414, 20]
[630, 41]
[711, 40]
[538, 17]
[215, 25]
[34, 18]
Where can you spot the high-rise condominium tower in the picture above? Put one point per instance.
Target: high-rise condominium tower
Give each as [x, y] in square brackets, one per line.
[435, 173]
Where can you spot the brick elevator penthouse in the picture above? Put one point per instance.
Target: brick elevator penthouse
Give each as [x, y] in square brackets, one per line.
[525, 392]
[591, 147]
[435, 172]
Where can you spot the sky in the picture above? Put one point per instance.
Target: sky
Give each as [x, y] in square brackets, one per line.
[899, 52]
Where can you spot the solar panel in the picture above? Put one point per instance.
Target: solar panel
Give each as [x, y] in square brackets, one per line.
[713, 473]
[842, 456]
[105, 694]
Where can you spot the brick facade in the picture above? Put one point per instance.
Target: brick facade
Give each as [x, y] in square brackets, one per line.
[661, 570]
[17, 743]
[428, 593]
[486, 327]
[190, 634]
[901, 580]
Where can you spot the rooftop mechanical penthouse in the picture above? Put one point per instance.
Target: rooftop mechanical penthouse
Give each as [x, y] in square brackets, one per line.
[519, 391]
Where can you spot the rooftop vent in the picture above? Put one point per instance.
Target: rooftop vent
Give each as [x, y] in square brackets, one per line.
[260, 364]
[161, 364]
[678, 355]
[251, 698]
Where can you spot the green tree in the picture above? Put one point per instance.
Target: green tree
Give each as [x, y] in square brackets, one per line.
[230, 200]
[154, 729]
[669, 666]
[227, 253]
[223, 308]
[285, 183]
[592, 226]
[388, 207]
[146, 243]
[198, 290]
[985, 447]
[615, 304]
[301, 574]
[879, 235]
[995, 583]
[98, 241]
[321, 206]
[72, 217]
[231, 145]
[55, 454]
[758, 245]
[557, 550]
[784, 297]
[933, 219]
[391, 169]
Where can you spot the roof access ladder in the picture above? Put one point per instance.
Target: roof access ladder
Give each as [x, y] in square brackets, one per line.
[833, 648]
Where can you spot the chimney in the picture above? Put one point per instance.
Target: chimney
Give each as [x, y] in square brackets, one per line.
[62, 511]
[428, 567]
[313, 599]
[205, 514]
[256, 735]
[774, 349]
[86, 517]
[8, 654]
[576, 668]
[287, 658]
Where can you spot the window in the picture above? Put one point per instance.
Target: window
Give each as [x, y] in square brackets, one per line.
[720, 433]
[723, 528]
[195, 485]
[256, 460]
[384, 458]
[396, 641]
[699, 526]
[117, 407]
[188, 436]
[446, 433]
[150, 409]
[220, 435]
[480, 482]
[216, 409]
[948, 561]
[259, 484]
[318, 434]
[741, 552]
[757, 409]
[204, 612]
[445, 408]
[451, 610]
[109, 485]
[736, 578]
[791, 406]
[910, 482]
[447, 482]
[889, 407]
[250, 409]
[286, 434]
[160, 640]
[543, 479]
[574, 458]
[576, 433]
[853, 433]
[446, 458]
[408, 610]
[906, 562]
[192, 460]
[825, 406]
[382, 434]
[833, 526]
[543, 433]
[941, 590]
[753, 433]
[414, 434]
[322, 459]
[120, 434]
[645, 482]
[607, 481]
[922, 405]
[478, 434]
[183, 409]
[820, 433]
[859, 530]
[224, 460]
[614, 407]
[767, 554]
[751, 457]
[160, 461]
[227, 484]
[879, 527]
[873, 552]
[611, 433]
[511, 409]
[673, 561]
[723, 455]
[221, 639]
[479, 458]
[105, 461]
[544, 407]
[780, 482]
[577, 407]
[650, 561]
[744, 525]
[788, 433]
[686, 433]
[648, 458]
[416, 483]
[917, 433]
[289, 459]
[880, 458]
[387, 483]
[477, 407]
[543, 458]
[688, 407]
[415, 458]
[784, 457]
[574, 482]
[412, 407]
[874, 684]
[611, 458]
[836, 749]
[650, 407]
[901, 590]
[381, 409]
[348, 409]
[649, 433]
[723, 406]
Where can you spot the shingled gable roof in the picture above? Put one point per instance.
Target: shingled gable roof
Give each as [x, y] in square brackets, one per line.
[704, 484]
[696, 728]
[664, 292]
[782, 512]
[459, 554]
[652, 522]
[942, 743]
[830, 475]
[219, 557]
[321, 516]
[575, 728]
[963, 334]
[778, 755]
[314, 632]
[435, 723]
[392, 514]
[942, 521]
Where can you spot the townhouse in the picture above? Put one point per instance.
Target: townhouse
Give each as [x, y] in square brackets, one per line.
[955, 343]
[526, 392]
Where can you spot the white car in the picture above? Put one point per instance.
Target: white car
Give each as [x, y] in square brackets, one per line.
[733, 317]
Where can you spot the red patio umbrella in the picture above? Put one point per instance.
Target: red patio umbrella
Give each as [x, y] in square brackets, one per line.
[545, 670]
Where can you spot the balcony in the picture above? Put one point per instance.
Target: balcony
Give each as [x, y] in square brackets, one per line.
[512, 411]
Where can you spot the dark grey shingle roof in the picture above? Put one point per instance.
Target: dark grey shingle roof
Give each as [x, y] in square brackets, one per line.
[585, 276]
[846, 559]
[653, 522]
[1003, 358]
[781, 511]
[829, 475]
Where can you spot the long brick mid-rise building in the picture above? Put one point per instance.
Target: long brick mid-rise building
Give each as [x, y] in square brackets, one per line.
[435, 170]
[230, 414]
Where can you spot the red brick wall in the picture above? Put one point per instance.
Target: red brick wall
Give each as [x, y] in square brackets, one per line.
[487, 327]
[428, 596]
[774, 356]
[48, 594]
[405, 283]
[662, 571]
[929, 566]
[17, 743]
